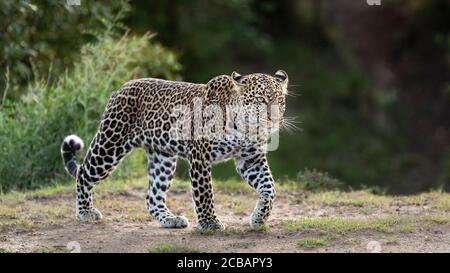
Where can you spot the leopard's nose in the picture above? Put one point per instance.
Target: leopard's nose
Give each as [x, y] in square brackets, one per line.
[274, 113]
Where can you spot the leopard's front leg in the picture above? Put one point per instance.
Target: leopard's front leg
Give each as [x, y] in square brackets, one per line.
[254, 169]
[202, 190]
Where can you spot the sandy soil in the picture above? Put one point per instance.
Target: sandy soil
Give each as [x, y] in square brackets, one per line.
[127, 228]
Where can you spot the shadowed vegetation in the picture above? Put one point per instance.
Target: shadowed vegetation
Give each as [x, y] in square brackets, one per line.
[365, 116]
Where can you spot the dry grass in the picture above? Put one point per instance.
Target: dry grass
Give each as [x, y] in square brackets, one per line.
[346, 216]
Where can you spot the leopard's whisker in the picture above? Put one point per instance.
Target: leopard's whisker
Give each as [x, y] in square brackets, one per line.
[292, 93]
[289, 126]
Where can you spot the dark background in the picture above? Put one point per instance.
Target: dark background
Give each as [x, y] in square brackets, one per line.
[371, 83]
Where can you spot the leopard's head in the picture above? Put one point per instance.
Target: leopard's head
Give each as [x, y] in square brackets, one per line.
[264, 96]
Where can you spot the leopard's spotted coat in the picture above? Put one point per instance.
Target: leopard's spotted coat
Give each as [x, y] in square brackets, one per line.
[141, 114]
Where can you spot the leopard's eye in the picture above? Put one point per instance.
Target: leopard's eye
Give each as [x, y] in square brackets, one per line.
[261, 100]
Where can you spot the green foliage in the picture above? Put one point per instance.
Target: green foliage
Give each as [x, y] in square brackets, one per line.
[168, 248]
[336, 134]
[210, 43]
[44, 33]
[3, 250]
[313, 242]
[313, 180]
[356, 124]
[33, 128]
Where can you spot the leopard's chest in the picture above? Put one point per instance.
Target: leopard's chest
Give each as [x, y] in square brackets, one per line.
[223, 150]
[220, 150]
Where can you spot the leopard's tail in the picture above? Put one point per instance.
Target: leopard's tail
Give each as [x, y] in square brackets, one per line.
[69, 147]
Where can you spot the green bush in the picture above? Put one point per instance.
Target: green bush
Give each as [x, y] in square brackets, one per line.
[32, 129]
[314, 180]
[46, 33]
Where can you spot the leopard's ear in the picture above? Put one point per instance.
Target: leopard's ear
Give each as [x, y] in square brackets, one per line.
[238, 83]
[281, 76]
[236, 77]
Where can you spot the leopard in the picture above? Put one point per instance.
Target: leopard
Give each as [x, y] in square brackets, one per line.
[144, 113]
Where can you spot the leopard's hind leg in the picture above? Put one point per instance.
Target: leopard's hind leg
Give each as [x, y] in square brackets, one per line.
[118, 134]
[103, 156]
[161, 168]
[106, 151]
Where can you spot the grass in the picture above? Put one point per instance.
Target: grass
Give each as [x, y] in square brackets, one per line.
[232, 231]
[391, 241]
[341, 226]
[54, 250]
[168, 248]
[434, 199]
[121, 186]
[330, 228]
[72, 102]
[111, 186]
[313, 242]
[236, 187]
[227, 232]
[355, 198]
[28, 215]
[331, 225]
[439, 219]
[26, 210]
[345, 221]
[353, 241]
[238, 203]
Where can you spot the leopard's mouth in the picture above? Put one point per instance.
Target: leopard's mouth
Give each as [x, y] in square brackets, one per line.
[268, 126]
[274, 126]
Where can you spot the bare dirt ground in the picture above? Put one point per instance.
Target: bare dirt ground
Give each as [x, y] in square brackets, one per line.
[300, 222]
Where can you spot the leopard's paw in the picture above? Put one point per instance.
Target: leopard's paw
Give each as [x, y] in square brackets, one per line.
[175, 222]
[89, 215]
[257, 222]
[210, 224]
